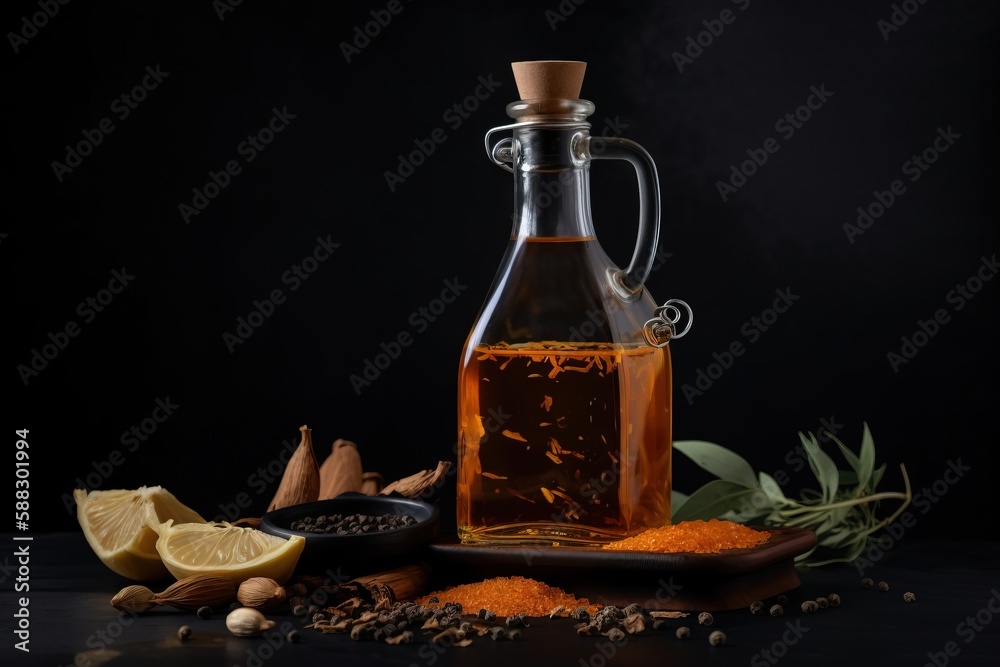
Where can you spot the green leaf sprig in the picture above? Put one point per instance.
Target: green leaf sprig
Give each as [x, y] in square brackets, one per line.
[842, 511]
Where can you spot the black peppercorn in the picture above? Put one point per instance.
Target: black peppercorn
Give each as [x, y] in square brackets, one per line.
[833, 599]
[782, 599]
[883, 586]
[184, 632]
[867, 583]
[704, 618]
[756, 607]
[777, 610]
[300, 610]
[683, 632]
[909, 597]
[809, 606]
[717, 638]
[293, 637]
[822, 602]
[204, 612]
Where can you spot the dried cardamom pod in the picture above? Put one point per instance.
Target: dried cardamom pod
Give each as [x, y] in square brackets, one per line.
[371, 483]
[300, 481]
[197, 591]
[134, 600]
[260, 593]
[341, 470]
[246, 622]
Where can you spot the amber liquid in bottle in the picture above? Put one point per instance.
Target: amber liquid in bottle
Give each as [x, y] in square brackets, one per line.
[562, 441]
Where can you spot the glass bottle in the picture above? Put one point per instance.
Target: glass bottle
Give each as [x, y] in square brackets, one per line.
[564, 395]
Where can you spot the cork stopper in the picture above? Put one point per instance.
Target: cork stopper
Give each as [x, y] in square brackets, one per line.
[549, 79]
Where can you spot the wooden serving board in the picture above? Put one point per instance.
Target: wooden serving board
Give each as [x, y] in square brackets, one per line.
[731, 579]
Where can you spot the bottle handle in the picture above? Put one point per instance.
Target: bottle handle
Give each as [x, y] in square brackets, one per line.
[628, 284]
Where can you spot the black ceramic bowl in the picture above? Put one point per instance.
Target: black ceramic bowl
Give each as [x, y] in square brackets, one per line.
[328, 550]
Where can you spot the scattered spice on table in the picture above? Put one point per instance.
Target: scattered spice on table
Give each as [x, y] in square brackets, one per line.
[696, 536]
[507, 596]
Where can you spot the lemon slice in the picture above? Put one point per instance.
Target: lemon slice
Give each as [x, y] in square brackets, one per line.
[224, 550]
[116, 525]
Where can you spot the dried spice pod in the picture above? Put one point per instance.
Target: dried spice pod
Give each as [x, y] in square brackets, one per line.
[245, 622]
[134, 600]
[341, 470]
[300, 481]
[415, 485]
[197, 591]
[372, 483]
[260, 593]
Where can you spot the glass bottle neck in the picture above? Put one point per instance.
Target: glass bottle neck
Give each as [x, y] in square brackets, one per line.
[552, 183]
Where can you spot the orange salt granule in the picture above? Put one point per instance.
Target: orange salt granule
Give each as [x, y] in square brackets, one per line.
[506, 596]
[697, 536]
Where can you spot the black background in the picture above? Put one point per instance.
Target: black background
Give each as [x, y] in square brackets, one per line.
[324, 176]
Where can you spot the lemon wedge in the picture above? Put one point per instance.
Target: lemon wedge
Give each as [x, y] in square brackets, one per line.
[224, 550]
[116, 525]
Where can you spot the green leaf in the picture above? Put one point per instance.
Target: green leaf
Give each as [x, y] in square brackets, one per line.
[867, 457]
[721, 462]
[851, 458]
[772, 489]
[822, 466]
[848, 478]
[677, 498]
[713, 500]
[877, 475]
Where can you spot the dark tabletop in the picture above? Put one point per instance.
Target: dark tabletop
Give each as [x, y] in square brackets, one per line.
[954, 620]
